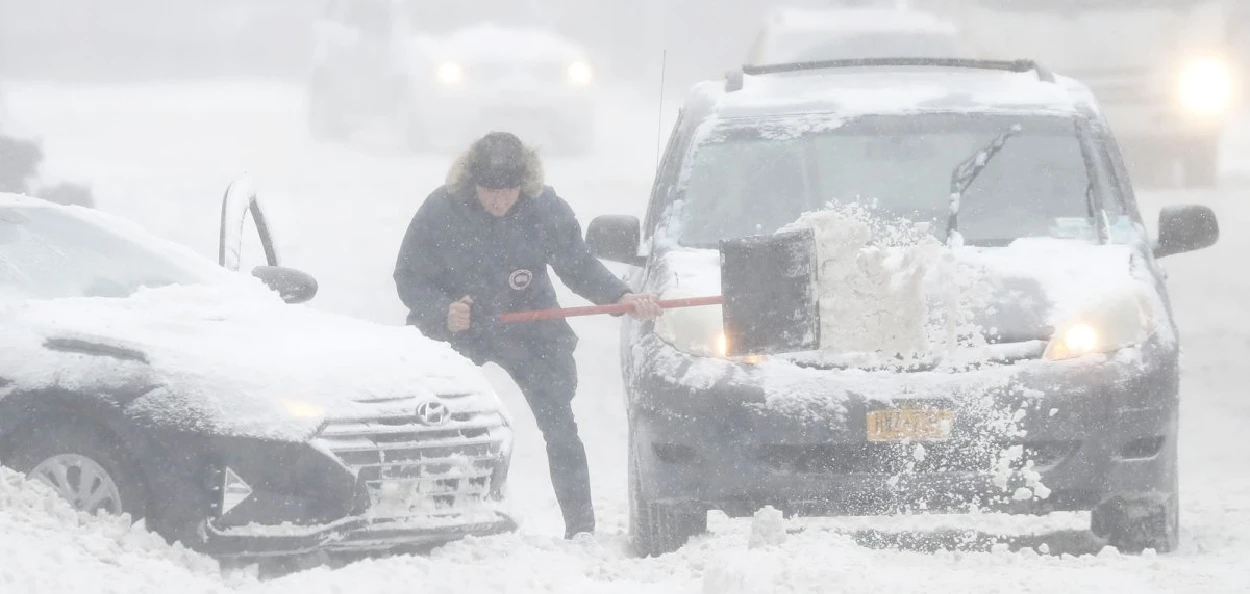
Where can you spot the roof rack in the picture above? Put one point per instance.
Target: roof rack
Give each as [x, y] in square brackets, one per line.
[734, 79]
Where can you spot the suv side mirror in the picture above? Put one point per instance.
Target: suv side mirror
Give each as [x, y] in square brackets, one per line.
[615, 238]
[1185, 229]
[295, 286]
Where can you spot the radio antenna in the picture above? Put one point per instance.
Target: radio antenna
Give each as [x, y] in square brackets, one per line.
[659, 120]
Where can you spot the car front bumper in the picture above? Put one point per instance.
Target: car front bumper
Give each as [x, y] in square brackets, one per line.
[352, 534]
[1030, 437]
[363, 484]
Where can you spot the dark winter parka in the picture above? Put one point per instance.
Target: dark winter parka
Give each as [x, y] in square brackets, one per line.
[454, 248]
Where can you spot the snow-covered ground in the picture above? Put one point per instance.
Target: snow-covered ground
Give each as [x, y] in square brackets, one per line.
[163, 155]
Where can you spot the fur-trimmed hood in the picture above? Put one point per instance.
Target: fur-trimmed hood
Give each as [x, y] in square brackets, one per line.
[458, 177]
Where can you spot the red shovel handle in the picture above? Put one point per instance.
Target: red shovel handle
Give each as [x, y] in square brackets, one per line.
[591, 310]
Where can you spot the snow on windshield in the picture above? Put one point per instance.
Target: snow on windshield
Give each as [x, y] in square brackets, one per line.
[745, 178]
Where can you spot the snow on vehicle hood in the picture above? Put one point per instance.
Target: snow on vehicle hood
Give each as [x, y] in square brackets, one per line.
[232, 362]
[1027, 289]
[489, 42]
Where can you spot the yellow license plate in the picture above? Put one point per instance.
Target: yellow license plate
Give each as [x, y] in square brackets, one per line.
[910, 425]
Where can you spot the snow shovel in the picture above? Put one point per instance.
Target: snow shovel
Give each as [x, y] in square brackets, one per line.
[768, 302]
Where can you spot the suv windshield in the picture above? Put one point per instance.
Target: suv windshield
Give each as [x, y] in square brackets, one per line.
[45, 254]
[443, 17]
[750, 177]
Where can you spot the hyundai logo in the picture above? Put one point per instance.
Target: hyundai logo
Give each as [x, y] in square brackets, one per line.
[433, 413]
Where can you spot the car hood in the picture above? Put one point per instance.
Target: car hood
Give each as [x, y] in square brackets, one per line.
[1023, 291]
[235, 362]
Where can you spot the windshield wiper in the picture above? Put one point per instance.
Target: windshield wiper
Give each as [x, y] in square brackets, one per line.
[966, 172]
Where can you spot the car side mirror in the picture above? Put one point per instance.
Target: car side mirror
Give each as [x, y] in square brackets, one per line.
[615, 238]
[1186, 228]
[295, 286]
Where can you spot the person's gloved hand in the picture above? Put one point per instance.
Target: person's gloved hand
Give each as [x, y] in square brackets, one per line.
[645, 306]
[459, 315]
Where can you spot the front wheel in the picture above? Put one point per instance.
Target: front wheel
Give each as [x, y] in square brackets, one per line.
[658, 528]
[85, 467]
[1137, 522]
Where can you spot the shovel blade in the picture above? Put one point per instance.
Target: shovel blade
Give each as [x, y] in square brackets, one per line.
[769, 285]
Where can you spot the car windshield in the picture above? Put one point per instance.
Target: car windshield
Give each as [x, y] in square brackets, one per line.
[442, 17]
[885, 44]
[750, 177]
[46, 254]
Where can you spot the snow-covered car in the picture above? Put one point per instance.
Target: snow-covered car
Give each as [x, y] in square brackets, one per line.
[442, 74]
[994, 323]
[138, 377]
[814, 34]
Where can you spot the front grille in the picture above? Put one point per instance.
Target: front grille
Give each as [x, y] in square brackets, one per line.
[406, 468]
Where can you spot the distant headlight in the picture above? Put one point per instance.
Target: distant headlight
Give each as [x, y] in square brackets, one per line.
[1104, 328]
[450, 73]
[1206, 86]
[580, 74]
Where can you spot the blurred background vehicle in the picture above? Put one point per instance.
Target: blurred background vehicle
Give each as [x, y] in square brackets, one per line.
[801, 34]
[1165, 71]
[443, 73]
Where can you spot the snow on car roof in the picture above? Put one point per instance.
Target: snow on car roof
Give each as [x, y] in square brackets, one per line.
[886, 90]
[853, 20]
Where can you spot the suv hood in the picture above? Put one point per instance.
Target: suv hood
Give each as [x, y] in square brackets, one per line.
[236, 362]
[1025, 290]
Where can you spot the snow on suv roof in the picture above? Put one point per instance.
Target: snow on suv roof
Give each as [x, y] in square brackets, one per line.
[885, 89]
[850, 20]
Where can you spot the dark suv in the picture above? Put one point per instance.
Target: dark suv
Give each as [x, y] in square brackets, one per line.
[1068, 403]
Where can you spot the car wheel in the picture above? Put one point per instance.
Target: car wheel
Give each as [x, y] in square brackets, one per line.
[657, 528]
[88, 469]
[1133, 524]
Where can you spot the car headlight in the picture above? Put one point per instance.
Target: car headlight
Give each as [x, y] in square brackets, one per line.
[303, 409]
[1108, 326]
[580, 74]
[1206, 86]
[698, 331]
[450, 73]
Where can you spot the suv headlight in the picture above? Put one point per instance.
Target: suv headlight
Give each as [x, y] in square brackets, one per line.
[1107, 326]
[694, 330]
[580, 74]
[698, 331]
[1206, 86]
[450, 73]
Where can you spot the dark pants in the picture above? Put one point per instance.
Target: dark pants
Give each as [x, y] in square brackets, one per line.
[548, 379]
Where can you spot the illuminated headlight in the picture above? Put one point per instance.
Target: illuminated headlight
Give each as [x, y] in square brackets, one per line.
[1206, 86]
[580, 74]
[1106, 327]
[304, 410]
[697, 331]
[450, 73]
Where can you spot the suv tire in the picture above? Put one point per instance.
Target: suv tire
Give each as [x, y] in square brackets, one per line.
[658, 528]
